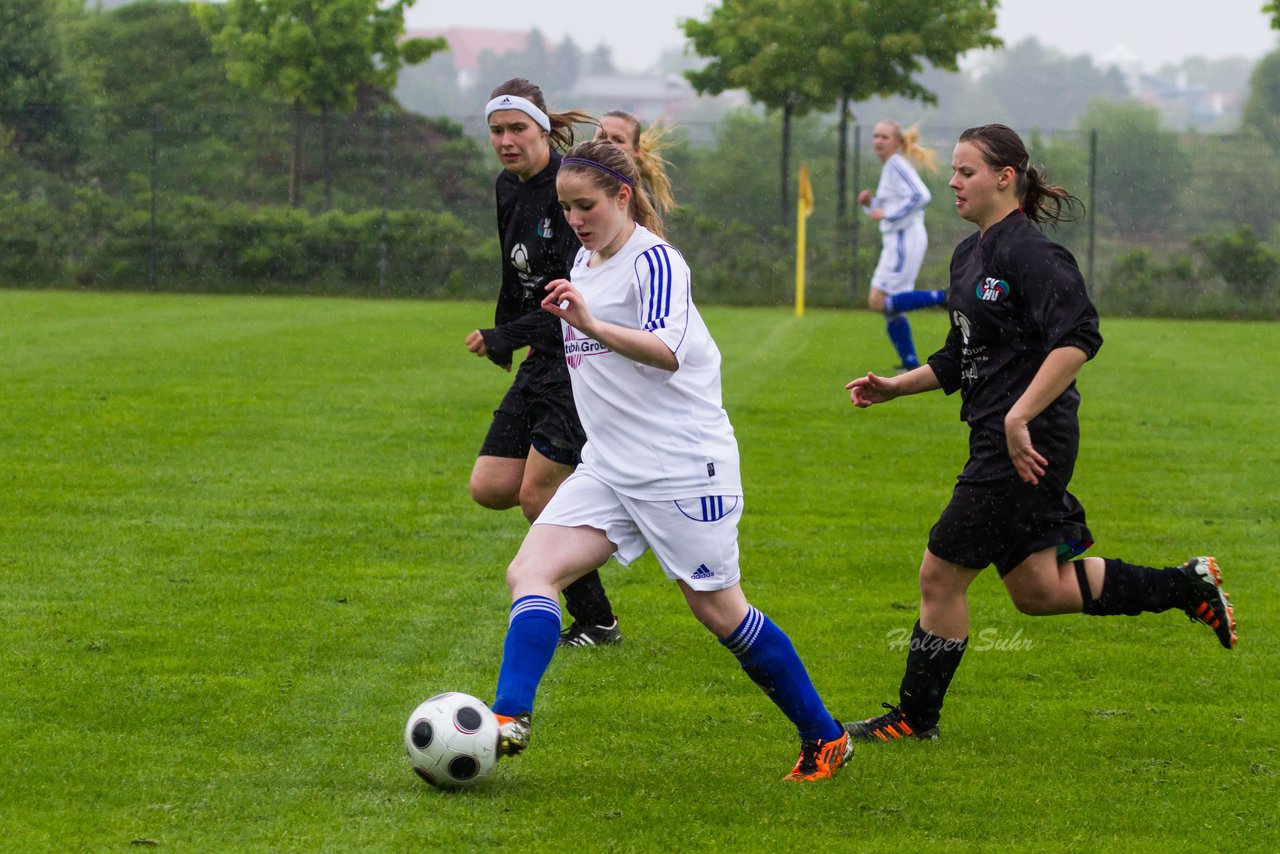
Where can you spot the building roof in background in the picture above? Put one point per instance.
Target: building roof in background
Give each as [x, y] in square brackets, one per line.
[467, 43]
[633, 86]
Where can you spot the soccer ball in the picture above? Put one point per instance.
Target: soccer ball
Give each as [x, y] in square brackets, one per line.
[452, 740]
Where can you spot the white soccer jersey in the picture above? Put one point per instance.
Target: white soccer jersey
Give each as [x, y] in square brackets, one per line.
[651, 434]
[900, 194]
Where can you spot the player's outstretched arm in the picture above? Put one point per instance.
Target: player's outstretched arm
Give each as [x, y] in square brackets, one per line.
[564, 301]
[871, 389]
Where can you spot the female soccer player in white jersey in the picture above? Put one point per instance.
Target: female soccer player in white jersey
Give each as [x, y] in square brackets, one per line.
[660, 467]
[535, 437]
[1022, 326]
[898, 205]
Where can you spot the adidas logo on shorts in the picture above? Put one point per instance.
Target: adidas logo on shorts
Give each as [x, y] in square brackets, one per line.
[701, 572]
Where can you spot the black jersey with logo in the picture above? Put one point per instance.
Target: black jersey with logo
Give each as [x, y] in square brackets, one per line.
[1015, 296]
[537, 247]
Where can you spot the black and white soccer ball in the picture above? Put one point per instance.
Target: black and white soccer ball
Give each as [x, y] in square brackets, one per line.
[452, 740]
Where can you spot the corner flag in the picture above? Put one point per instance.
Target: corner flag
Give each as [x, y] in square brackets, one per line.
[804, 207]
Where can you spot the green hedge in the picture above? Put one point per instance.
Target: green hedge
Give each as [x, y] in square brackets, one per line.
[56, 235]
[1228, 274]
[208, 246]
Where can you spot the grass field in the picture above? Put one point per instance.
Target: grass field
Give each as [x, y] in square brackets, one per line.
[236, 549]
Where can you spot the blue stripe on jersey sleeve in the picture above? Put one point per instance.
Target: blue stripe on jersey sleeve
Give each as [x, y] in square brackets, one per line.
[916, 195]
[659, 308]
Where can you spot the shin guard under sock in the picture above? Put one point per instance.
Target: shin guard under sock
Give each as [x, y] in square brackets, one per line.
[766, 654]
[587, 602]
[912, 300]
[531, 641]
[1130, 590]
[899, 330]
[931, 663]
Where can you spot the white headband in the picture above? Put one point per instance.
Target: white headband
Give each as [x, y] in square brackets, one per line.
[524, 105]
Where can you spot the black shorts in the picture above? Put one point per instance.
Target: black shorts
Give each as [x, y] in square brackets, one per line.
[537, 411]
[995, 518]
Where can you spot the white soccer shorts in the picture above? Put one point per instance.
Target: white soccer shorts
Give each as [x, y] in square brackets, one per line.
[694, 539]
[901, 254]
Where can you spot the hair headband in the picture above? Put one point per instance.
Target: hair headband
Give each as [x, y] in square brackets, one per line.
[614, 172]
[524, 105]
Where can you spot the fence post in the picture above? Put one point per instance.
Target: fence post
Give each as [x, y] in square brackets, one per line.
[857, 169]
[1093, 203]
[386, 190]
[151, 237]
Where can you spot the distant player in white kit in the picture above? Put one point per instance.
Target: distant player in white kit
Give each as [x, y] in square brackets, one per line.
[660, 467]
[898, 206]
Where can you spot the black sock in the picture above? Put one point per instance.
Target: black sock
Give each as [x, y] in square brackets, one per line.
[587, 602]
[931, 662]
[1130, 590]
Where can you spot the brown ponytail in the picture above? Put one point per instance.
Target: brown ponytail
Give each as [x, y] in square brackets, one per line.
[1041, 201]
[561, 133]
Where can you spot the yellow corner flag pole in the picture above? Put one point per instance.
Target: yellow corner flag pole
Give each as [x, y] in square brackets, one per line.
[804, 207]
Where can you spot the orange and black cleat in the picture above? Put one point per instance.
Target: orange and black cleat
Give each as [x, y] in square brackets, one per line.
[820, 760]
[890, 726]
[1210, 603]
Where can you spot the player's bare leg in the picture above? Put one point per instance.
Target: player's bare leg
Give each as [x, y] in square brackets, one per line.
[496, 481]
[550, 558]
[500, 483]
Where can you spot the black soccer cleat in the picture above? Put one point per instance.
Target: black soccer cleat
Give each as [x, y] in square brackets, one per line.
[579, 635]
[890, 726]
[1210, 604]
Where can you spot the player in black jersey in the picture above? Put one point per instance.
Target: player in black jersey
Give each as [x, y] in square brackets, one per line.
[535, 437]
[1022, 326]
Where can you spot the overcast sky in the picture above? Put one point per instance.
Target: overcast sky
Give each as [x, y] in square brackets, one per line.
[1156, 31]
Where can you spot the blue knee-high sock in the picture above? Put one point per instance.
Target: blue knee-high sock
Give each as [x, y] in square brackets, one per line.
[900, 334]
[911, 300]
[766, 654]
[531, 641]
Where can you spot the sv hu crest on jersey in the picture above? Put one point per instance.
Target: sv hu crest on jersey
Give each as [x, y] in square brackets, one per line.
[992, 290]
[544, 229]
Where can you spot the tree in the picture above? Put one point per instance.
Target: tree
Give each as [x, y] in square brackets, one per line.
[36, 85]
[1041, 88]
[1273, 9]
[154, 79]
[766, 47]
[554, 68]
[880, 47]
[317, 54]
[1139, 166]
[599, 61]
[1262, 109]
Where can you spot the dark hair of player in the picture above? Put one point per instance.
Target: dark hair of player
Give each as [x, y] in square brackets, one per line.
[1041, 201]
[561, 132]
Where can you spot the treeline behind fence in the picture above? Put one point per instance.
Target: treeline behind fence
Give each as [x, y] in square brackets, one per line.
[397, 204]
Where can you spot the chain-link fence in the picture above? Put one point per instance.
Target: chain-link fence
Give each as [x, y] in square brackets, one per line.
[395, 203]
